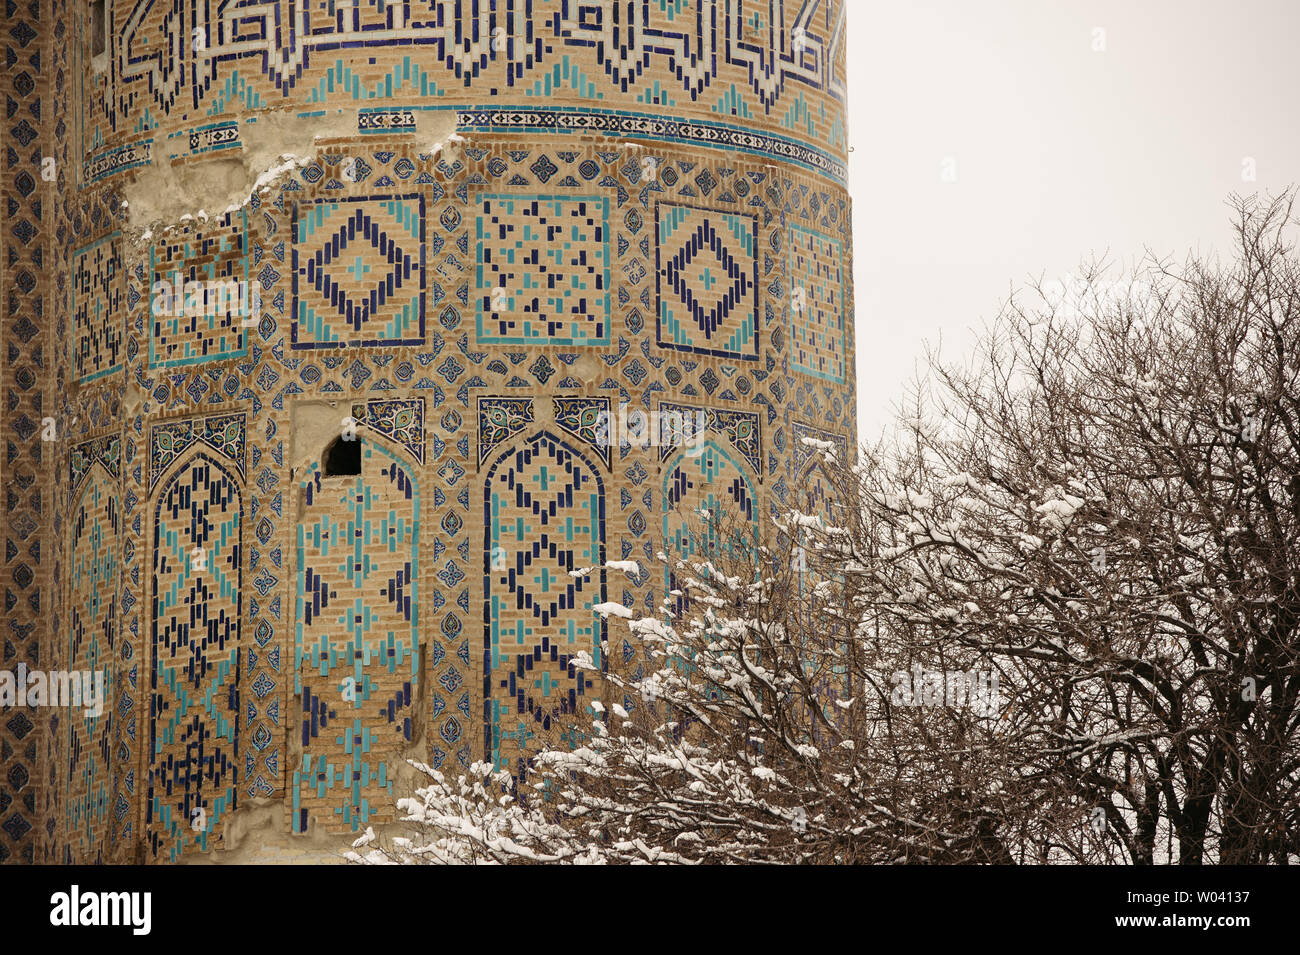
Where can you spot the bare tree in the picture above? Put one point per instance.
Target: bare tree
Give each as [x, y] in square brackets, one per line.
[768, 731]
[1055, 619]
[1111, 511]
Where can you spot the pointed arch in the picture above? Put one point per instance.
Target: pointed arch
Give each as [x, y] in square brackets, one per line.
[357, 645]
[816, 497]
[817, 492]
[544, 515]
[706, 479]
[94, 549]
[196, 612]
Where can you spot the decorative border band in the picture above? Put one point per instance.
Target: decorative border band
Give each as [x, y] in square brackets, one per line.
[523, 119]
[117, 159]
[646, 126]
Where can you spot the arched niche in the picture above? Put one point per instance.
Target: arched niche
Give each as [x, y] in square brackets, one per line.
[195, 618]
[544, 515]
[93, 582]
[356, 632]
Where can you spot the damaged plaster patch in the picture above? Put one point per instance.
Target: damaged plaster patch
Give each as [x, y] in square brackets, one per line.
[256, 833]
[437, 128]
[313, 427]
[274, 144]
[440, 128]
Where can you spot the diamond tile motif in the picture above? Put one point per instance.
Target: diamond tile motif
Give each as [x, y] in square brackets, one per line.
[356, 645]
[707, 281]
[543, 270]
[358, 273]
[197, 604]
[816, 305]
[544, 505]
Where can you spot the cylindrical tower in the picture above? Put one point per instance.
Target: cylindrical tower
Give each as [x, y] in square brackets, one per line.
[385, 315]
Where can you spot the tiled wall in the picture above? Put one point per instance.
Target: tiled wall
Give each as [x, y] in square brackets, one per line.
[28, 259]
[357, 642]
[653, 227]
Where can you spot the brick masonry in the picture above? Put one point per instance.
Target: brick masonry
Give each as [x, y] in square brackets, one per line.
[616, 229]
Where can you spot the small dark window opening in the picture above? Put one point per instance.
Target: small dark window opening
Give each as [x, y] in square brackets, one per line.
[342, 457]
[98, 27]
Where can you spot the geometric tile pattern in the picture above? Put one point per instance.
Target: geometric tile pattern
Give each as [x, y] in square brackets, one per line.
[169, 440]
[708, 280]
[92, 632]
[625, 124]
[741, 429]
[588, 420]
[805, 453]
[97, 308]
[817, 305]
[423, 397]
[358, 271]
[199, 295]
[456, 406]
[543, 270]
[31, 310]
[197, 608]
[697, 105]
[356, 643]
[399, 419]
[131, 703]
[449, 610]
[700, 481]
[816, 495]
[499, 418]
[706, 52]
[544, 515]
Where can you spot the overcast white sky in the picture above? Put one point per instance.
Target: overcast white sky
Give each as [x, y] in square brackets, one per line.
[1059, 151]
